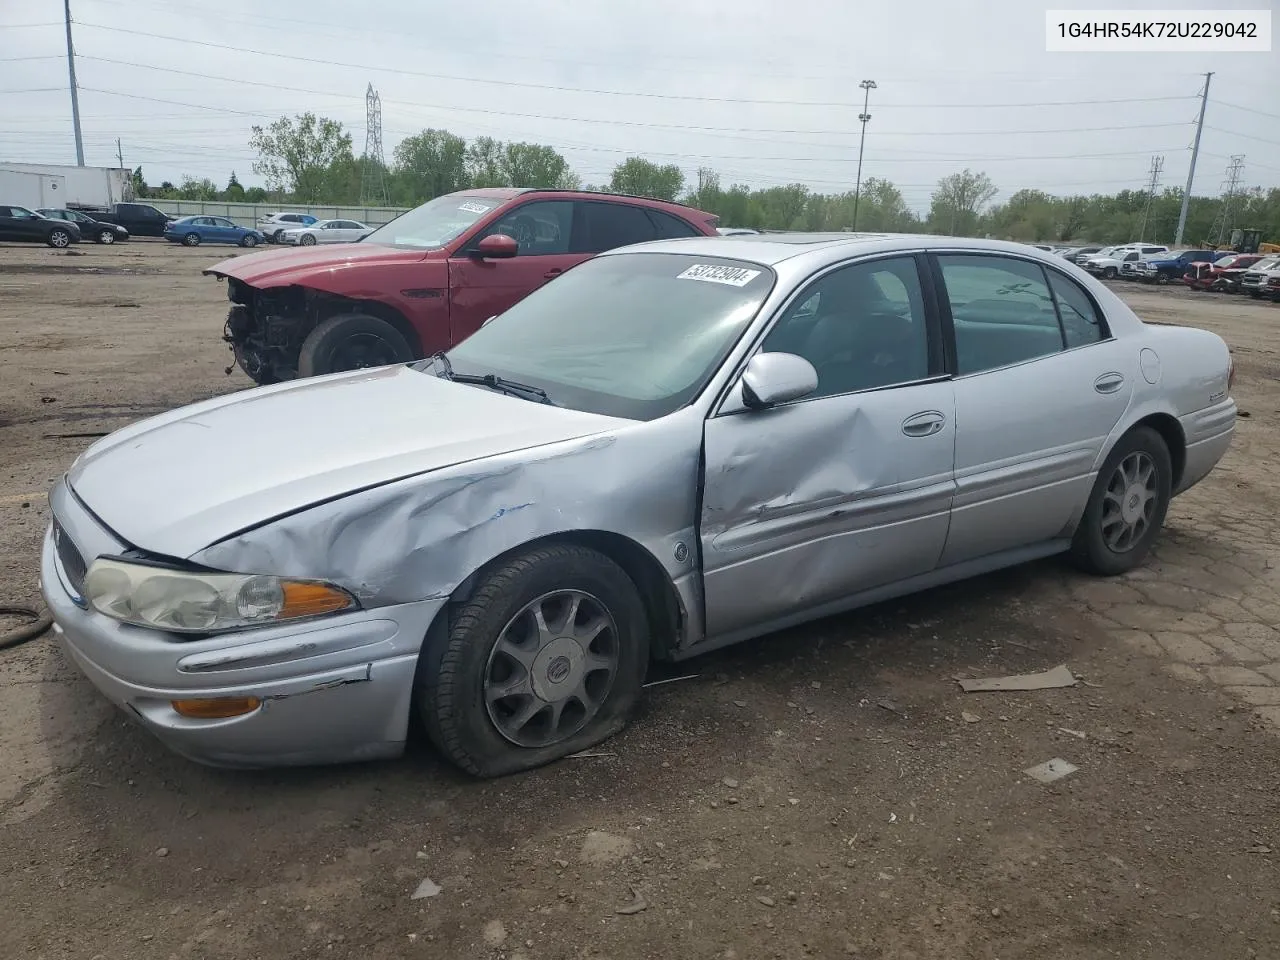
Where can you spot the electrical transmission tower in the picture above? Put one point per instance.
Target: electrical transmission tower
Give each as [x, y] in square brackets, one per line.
[1157, 164]
[373, 180]
[1222, 223]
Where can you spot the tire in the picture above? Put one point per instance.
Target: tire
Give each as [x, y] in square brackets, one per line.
[462, 664]
[59, 239]
[1162, 279]
[307, 240]
[249, 240]
[335, 343]
[106, 236]
[1109, 273]
[1090, 547]
[191, 240]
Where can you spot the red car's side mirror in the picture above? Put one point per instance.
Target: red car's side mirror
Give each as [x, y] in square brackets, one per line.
[497, 246]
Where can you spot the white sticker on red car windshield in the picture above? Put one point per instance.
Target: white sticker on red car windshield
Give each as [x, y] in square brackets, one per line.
[714, 273]
[470, 207]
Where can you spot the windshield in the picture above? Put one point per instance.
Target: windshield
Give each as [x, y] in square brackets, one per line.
[1225, 261]
[634, 335]
[1267, 264]
[434, 223]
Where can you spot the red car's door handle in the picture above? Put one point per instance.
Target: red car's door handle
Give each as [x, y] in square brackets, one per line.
[553, 272]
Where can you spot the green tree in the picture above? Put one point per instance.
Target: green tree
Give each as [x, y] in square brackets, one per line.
[958, 200]
[534, 165]
[430, 164]
[644, 178]
[295, 154]
[192, 189]
[484, 163]
[138, 184]
[255, 195]
[235, 191]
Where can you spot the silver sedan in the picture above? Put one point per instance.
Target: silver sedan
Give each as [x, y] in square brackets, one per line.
[325, 231]
[672, 447]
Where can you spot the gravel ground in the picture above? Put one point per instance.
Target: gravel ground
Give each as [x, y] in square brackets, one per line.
[827, 791]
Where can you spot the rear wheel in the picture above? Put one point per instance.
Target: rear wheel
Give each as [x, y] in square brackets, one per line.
[191, 240]
[545, 659]
[351, 342]
[59, 239]
[106, 236]
[1127, 506]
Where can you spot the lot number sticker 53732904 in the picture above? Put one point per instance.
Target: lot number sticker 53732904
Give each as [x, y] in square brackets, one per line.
[711, 273]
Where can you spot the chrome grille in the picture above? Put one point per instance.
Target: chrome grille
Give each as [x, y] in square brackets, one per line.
[69, 556]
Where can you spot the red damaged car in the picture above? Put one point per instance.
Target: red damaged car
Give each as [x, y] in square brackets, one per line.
[427, 279]
[1225, 273]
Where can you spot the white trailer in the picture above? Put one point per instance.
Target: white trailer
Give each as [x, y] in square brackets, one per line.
[63, 185]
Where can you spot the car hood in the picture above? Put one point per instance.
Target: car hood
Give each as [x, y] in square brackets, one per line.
[176, 483]
[280, 268]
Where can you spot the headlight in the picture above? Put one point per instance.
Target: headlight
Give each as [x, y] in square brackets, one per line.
[189, 602]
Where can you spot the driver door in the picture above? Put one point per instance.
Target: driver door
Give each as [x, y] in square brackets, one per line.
[480, 288]
[846, 489]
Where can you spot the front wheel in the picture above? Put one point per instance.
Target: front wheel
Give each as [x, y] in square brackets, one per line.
[249, 240]
[1162, 278]
[351, 342]
[191, 240]
[1109, 273]
[1127, 506]
[106, 236]
[545, 659]
[307, 240]
[59, 239]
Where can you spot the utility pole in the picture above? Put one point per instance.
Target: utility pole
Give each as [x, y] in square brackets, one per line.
[119, 153]
[1157, 164]
[1222, 222]
[867, 86]
[1195, 152]
[75, 97]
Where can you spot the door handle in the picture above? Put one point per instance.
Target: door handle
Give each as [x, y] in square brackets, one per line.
[553, 272]
[923, 424]
[1108, 383]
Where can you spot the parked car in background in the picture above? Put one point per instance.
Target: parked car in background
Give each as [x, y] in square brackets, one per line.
[140, 219]
[1077, 255]
[193, 231]
[98, 231]
[20, 225]
[324, 231]
[1129, 267]
[1163, 268]
[1262, 279]
[1222, 274]
[273, 224]
[675, 447]
[426, 280]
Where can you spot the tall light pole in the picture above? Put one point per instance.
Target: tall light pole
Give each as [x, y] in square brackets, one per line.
[1191, 170]
[867, 86]
[75, 98]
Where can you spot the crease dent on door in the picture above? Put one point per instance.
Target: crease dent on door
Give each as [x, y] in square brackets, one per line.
[794, 517]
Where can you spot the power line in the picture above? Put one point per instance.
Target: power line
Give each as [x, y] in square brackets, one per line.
[1261, 113]
[1247, 136]
[612, 93]
[695, 128]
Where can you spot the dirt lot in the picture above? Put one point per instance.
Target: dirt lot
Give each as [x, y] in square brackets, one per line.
[819, 793]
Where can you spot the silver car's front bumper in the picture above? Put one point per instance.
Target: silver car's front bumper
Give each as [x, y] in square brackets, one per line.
[332, 690]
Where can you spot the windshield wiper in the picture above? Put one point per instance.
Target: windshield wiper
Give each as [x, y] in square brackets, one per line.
[491, 380]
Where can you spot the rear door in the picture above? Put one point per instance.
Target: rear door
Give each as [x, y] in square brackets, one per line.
[481, 288]
[8, 227]
[1039, 386]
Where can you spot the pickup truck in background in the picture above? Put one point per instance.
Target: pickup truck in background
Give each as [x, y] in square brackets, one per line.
[1168, 267]
[140, 219]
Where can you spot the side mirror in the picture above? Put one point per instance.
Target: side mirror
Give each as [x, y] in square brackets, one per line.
[773, 378]
[497, 246]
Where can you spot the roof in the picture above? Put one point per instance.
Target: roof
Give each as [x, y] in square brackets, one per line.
[506, 193]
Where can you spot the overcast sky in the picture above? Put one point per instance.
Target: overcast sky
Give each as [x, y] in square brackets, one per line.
[764, 92]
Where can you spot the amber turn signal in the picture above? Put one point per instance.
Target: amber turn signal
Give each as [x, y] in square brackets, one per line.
[220, 708]
[311, 600]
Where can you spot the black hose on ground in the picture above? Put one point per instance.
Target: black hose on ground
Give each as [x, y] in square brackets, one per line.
[40, 622]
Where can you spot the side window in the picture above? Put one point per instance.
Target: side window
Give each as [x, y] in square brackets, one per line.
[670, 227]
[605, 226]
[540, 228]
[1001, 310]
[222, 222]
[1081, 323]
[861, 326]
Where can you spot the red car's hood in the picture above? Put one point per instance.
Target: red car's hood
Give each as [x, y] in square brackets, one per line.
[281, 268]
